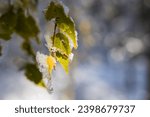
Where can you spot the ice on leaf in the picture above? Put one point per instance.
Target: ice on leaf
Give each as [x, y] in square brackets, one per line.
[66, 10]
[48, 42]
[66, 26]
[64, 38]
[61, 42]
[45, 64]
[71, 57]
[51, 62]
[64, 22]
[55, 9]
[64, 61]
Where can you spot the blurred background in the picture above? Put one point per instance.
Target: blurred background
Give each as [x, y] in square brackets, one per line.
[112, 60]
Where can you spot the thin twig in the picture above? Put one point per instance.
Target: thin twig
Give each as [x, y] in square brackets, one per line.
[54, 34]
[53, 40]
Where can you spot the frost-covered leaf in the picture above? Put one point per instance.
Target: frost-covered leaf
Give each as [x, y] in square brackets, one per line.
[65, 37]
[32, 73]
[64, 22]
[66, 26]
[46, 64]
[54, 10]
[7, 24]
[63, 61]
[26, 26]
[61, 42]
[51, 62]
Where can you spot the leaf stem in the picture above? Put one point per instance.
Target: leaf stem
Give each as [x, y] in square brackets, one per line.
[54, 34]
[53, 39]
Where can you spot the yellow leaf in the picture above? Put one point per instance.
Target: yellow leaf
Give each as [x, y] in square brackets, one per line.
[51, 62]
[63, 61]
[41, 84]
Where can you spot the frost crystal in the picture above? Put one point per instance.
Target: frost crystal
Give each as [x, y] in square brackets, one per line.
[48, 42]
[76, 35]
[49, 86]
[71, 57]
[46, 65]
[42, 64]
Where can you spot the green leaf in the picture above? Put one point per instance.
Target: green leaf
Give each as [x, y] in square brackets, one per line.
[61, 42]
[26, 26]
[26, 46]
[67, 33]
[32, 73]
[66, 26]
[26, 4]
[7, 24]
[54, 10]
[63, 61]
[64, 22]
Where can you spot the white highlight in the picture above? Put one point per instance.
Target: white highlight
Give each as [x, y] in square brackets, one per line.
[71, 56]
[42, 64]
[48, 42]
[134, 45]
